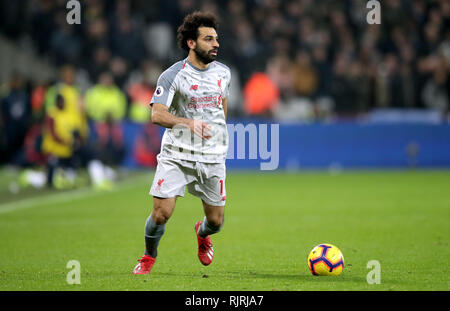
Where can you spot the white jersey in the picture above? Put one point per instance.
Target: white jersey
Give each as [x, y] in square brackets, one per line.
[194, 93]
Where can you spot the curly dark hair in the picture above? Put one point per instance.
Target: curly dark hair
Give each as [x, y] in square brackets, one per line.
[191, 23]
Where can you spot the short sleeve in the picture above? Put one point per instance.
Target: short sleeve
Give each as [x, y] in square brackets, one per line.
[165, 89]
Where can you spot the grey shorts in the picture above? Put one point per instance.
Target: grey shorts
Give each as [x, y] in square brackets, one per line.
[203, 180]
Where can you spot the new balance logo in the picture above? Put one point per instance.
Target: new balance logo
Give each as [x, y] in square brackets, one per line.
[194, 87]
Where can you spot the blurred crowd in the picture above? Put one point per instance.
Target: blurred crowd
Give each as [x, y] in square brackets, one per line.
[302, 60]
[60, 131]
[309, 58]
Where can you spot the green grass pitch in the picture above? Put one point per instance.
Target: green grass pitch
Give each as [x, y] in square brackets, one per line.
[272, 221]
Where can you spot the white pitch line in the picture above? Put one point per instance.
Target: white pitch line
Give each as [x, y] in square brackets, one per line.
[66, 196]
[50, 199]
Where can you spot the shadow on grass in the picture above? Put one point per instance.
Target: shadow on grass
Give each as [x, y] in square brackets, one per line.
[251, 275]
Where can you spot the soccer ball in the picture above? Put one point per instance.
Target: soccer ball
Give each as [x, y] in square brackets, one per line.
[326, 259]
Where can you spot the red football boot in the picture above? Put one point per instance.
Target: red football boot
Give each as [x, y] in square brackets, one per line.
[205, 247]
[145, 265]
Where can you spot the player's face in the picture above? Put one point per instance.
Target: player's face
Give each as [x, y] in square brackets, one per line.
[207, 45]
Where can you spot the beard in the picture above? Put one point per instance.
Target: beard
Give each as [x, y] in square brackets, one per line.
[204, 56]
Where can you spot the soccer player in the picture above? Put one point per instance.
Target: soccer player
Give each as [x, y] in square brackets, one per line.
[190, 101]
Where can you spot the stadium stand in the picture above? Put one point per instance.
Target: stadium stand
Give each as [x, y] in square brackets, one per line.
[321, 58]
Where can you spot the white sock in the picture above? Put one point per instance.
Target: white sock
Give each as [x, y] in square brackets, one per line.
[36, 179]
[71, 174]
[110, 173]
[96, 172]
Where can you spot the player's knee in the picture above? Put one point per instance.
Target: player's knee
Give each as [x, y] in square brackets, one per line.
[162, 210]
[216, 222]
[160, 216]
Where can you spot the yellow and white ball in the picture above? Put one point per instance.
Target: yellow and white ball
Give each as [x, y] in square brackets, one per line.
[326, 259]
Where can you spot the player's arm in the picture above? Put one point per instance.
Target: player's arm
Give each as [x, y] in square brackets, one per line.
[162, 117]
[225, 95]
[225, 107]
[161, 101]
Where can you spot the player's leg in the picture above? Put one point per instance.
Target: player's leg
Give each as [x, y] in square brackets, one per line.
[213, 221]
[154, 230]
[211, 224]
[52, 164]
[169, 183]
[211, 190]
[156, 223]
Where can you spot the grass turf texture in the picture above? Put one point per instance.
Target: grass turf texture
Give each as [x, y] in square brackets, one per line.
[272, 221]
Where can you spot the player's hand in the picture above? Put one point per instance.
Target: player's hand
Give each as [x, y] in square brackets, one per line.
[201, 129]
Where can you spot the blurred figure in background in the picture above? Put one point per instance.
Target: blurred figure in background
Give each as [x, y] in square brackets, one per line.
[106, 106]
[126, 39]
[99, 63]
[107, 152]
[15, 119]
[38, 99]
[119, 70]
[72, 99]
[436, 91]
[140, 90]
[306, 79]
[298, 60]
[104, 99]
[66, 129]
[342, 89]
[60, 137]
[148, 142]
[396, 62]
[32, 158]
[147, 146]
[261, 95]
[65, 45]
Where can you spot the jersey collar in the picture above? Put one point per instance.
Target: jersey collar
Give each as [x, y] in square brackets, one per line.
[196, 68]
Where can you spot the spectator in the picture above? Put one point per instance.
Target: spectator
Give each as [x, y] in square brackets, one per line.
[95, 35]
[106, 106]
[127, 40]
[38, 99]
[15, 115]
[281, 71]
[109, 144]
[163, 34]
[396, 63]
[342, 89]
[306, 79]
[42, 24]
[119, 70]
[72, 100]
[261, 95]
[60, 138]
[436, 91]
[99, 63]
[139, 94]
[65, 45]
[105, 100]
[323, 70]
[147, 146]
